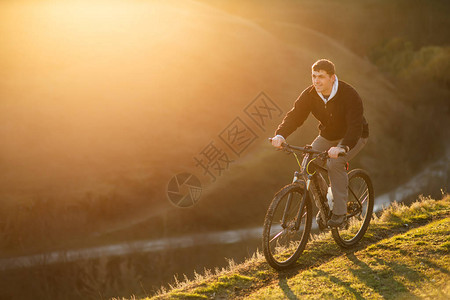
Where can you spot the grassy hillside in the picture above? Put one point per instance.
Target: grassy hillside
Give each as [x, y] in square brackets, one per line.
[405, 253]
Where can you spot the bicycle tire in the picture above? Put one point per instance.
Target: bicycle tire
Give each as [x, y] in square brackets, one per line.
[359, 183]
[281, 255]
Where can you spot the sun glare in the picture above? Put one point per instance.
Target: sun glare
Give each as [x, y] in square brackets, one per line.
[42, 34]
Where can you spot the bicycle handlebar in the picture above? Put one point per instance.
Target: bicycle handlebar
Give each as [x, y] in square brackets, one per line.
[287, 147]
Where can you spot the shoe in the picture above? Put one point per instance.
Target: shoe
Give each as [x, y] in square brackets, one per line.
[336, 220]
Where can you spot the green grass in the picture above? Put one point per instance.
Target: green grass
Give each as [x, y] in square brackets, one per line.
[223, 283]
[404, 255]
[413, 266]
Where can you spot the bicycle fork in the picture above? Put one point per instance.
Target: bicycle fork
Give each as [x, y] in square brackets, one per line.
[288, 205]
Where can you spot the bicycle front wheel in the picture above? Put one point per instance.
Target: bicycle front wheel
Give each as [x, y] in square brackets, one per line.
[287, 226]
[359, 209]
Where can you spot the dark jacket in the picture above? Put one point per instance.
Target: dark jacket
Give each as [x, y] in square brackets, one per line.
[341, 118]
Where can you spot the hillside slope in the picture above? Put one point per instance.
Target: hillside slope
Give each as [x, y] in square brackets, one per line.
[83, 104]
[409, 265]
[404, 254]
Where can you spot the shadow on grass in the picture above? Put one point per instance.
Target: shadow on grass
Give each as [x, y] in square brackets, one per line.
[284, 286]
[338, 281]
[404, 270]
[383, 281]
[431, 264]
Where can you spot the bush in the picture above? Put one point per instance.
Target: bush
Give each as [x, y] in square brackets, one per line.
[398, 58]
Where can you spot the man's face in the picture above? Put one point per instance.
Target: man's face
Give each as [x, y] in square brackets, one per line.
[323, 82]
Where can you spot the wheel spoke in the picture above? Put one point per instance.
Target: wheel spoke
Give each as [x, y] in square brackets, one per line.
[365, 198]
[277, 235]
[353, 193]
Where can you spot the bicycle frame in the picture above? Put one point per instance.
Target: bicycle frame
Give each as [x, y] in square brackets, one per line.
[310, 185]
[308, 179]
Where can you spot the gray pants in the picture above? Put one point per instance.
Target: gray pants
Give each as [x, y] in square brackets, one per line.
[337, 173]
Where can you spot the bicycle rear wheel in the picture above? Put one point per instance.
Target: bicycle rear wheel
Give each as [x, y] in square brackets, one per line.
[282, 242]
[359, 209]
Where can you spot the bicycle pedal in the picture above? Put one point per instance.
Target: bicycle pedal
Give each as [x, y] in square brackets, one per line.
[343, 226]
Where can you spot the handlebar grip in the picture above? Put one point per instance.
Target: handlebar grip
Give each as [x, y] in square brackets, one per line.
[283, 145]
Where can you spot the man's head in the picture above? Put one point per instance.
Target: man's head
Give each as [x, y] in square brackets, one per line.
[323, 76]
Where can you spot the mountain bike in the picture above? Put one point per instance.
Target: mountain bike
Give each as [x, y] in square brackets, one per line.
[288, 222]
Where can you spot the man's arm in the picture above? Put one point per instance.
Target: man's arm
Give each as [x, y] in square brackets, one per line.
[295, 117]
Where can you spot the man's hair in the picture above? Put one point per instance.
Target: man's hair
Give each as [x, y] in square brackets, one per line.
[324, 64]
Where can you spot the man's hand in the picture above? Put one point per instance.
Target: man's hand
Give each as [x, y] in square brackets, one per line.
[335, 151]
[278, 140]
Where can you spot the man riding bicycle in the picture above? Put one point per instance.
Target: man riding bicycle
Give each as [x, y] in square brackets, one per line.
[342, 128]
